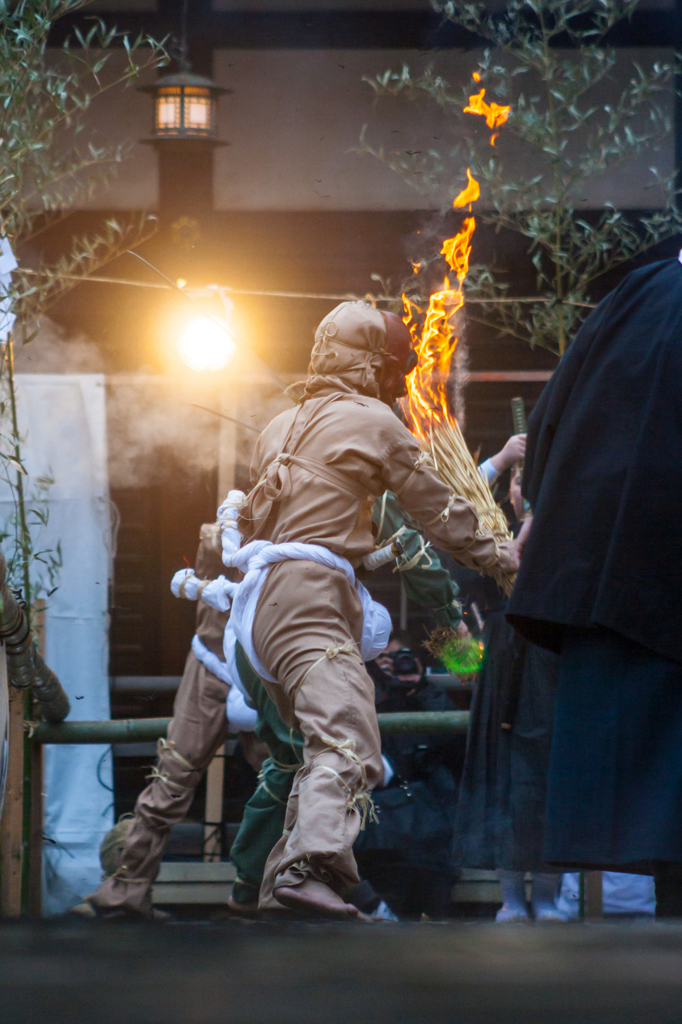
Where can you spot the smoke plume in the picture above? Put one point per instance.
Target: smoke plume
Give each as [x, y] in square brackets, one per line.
[155, 428]
[54, 350]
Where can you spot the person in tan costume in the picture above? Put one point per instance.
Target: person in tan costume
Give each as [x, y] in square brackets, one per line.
[316, 471]
[196, 732]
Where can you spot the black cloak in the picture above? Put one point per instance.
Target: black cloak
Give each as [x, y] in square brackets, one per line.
[603, 472]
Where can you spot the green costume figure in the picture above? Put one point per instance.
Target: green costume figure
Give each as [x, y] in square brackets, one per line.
[425, 580]
[263, 820]
[428, 584]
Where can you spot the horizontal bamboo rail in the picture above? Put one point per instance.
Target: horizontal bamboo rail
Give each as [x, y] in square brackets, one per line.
[120, 730]
[399, 723]
[136, 730]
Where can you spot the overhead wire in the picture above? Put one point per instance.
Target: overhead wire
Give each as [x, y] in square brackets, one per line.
[323, 296]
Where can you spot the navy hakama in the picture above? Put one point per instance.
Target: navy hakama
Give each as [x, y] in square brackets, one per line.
[614, 795]
[501, 810]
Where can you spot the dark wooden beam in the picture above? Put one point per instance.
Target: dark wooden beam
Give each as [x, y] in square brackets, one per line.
[309, 30]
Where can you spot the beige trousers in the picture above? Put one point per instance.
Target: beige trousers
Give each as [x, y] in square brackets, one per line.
[307, 633]
[197, 730]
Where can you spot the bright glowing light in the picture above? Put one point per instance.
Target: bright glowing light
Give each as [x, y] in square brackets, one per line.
[203, 345]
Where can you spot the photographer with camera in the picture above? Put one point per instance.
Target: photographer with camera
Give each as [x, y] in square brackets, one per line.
[407, 853]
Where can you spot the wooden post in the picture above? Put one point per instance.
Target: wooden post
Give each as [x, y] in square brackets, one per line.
[12, 821]
[213, 817]
[594, 907]
[35, 848]
[33, 868]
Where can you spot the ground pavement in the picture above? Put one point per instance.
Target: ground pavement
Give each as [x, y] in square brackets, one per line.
[71, 972]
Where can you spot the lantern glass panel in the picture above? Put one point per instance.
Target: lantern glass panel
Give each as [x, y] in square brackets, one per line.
[168, 110]
[197, 110]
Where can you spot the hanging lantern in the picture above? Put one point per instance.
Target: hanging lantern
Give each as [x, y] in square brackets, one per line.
[185, 107]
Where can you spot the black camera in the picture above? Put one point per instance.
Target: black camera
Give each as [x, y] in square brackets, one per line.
[405, 663]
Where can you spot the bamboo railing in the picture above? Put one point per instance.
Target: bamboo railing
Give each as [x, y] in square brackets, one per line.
[137, 730]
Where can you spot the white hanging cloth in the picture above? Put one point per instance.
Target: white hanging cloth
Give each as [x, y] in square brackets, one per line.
[8, 263]
[63, 419]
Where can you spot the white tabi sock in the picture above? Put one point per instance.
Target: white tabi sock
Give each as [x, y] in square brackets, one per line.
[544, 892]
[513, 896]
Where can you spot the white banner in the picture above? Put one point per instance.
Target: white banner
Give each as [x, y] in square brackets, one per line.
[63, 424]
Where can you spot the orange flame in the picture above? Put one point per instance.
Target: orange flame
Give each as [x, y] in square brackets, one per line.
[458, 249]
[426, 403]
[470, 194]
[476, 77]
[493, 137]
[494, 114]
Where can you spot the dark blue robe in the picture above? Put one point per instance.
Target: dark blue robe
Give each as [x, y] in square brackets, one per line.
[600, 578]
[603, 473]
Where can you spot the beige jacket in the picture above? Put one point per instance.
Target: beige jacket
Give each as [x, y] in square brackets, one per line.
[296, 498]
[317, 469]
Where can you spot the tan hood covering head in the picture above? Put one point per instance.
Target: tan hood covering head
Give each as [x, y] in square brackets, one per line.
[348, 352]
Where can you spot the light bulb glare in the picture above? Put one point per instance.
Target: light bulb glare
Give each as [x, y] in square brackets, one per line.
[204, 345]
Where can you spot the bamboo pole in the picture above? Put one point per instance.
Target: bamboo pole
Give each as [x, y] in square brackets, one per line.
[519, 416]
[136, 730]
[399, 723]
[120, 730]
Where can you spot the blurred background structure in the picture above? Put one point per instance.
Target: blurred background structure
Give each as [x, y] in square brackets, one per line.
[246, 149]
[288, 205]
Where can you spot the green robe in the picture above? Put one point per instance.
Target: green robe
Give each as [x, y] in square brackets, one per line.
[425, 580]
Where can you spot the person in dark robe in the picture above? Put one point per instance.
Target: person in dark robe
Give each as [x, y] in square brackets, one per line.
[501, 809]
[599, 583]
[406, 853]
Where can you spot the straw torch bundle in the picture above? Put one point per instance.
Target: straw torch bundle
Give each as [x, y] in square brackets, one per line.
[456, 467]
[426, 405]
